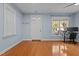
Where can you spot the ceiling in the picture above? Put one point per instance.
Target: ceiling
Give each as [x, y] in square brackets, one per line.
[47, 7]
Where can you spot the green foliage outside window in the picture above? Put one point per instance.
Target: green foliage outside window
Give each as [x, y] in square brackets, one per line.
[58, 26]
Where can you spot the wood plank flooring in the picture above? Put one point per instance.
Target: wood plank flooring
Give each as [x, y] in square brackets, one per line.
[43, 48]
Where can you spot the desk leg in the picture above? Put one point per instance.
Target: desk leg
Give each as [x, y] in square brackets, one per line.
[64, 37]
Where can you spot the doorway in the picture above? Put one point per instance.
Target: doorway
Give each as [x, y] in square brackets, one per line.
[36, 27]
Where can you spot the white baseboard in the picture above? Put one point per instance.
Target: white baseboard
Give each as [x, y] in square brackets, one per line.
[5, 50]
[44, 39]
[52, 40]
[27, 39]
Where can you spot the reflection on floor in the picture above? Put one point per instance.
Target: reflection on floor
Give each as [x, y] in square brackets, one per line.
[58, 50]
[44, 48]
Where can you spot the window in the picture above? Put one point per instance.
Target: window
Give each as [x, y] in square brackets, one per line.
[9, 21]
[59, 25]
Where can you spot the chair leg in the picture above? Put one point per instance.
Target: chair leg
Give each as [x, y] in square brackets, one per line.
[73, 40]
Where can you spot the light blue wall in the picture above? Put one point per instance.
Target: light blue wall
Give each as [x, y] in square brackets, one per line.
[6, 42]
[76, 22]
[26, 26]
[72, 20]
[76, 19]
[46, 26]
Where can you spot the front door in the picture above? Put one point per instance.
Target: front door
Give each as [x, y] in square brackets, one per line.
[36, 27]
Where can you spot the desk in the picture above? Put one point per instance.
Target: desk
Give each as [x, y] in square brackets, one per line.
[72, 36]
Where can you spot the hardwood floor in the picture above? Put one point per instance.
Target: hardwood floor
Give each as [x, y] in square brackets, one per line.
[43, 48]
